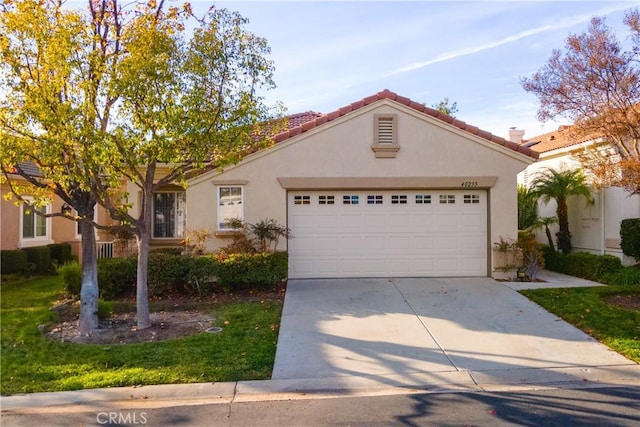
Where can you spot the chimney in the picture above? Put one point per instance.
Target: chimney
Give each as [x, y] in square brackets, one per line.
[515, 135]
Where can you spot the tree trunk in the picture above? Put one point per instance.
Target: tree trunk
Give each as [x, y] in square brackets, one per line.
[89, 292]
[549, 238]
[564, 236]
[143, 237]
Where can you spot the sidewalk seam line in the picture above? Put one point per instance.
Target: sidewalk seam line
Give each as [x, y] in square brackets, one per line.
[425, 326]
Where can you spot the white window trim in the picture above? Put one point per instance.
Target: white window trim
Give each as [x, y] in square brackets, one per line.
[219, 223]
[27, 242]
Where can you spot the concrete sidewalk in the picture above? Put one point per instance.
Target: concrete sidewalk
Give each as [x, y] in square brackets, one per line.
[453, 362]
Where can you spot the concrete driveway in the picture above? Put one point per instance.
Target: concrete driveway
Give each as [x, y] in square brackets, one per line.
[453, 332]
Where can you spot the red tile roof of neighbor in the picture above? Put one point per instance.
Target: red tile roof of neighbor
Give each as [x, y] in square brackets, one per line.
[298, 124]
[560, 138]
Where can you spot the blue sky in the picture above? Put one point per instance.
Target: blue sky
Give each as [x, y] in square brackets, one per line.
[328, 54]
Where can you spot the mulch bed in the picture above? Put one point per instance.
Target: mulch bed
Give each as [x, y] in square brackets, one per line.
[174, 316]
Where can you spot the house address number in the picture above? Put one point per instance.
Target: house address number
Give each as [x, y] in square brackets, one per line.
[469, 184]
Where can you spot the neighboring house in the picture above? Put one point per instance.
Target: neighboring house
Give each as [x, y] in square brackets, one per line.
[594, 228]
[384, 187]
[20, 227]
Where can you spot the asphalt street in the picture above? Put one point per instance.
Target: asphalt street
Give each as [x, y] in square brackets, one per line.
[610, 406]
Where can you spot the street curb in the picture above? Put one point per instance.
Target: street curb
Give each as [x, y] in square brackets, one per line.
[319, 388]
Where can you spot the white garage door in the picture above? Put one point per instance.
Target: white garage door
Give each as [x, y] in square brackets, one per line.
[387, 233]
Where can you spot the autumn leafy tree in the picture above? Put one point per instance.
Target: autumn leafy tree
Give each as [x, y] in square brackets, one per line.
[54, 112]
[178, 102]
[595, 83]
[559, 185]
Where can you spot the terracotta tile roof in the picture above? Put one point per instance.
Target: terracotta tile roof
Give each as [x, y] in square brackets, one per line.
[321, 119]
[298, 119]
[561, 138]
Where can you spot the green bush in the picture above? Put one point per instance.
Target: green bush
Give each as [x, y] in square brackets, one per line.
[202, 272]
[582, 264]
[630, 237]
[40, 256]
[117, 277]
[167, 273]
[71, 273]
[627, 276]
[166, 251]
[13, 261]
[261, 270]
[554, 260]
[105, 309]
[60, 253]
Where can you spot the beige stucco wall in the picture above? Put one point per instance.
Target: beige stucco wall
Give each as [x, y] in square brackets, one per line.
[342, 148]
[61, 230]
[10, 218]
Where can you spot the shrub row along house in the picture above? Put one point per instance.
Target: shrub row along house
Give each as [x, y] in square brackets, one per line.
[595, 228]
[382, 187]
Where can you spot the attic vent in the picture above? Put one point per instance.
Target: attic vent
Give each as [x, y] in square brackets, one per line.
[385, 139]
[385, 130]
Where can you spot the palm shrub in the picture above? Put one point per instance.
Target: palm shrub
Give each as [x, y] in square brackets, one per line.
[527, 208]
[545, 222]
[559, 185]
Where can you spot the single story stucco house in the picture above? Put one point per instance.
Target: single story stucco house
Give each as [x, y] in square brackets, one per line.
[382, 187]
[594, 228]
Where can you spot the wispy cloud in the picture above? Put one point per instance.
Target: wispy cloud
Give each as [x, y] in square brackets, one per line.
[447, 56]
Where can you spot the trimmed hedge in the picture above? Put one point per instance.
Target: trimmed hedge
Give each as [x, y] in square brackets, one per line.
[169, 273]
[262, 270]
[582, 264]
[630, 237]
[117, 277]
[40, 256]
[60, 253]
[13, 261]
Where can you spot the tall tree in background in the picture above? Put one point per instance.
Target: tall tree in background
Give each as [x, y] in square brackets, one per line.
[54, 113]
[596, 84]
[560, 185]
[445, 106]
[176, 104]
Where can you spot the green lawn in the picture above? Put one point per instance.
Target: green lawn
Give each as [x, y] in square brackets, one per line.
[32, 363]
[618, 328]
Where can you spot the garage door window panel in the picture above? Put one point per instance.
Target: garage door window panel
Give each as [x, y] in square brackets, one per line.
[374, 199]
[398, 199]
[230, 205]
[302, 200]
[326, 200]
[423, 199]
[447, 199]
[350, 199]
[471, 199]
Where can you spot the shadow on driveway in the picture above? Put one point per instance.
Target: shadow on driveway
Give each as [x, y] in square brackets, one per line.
[378, 328]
